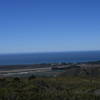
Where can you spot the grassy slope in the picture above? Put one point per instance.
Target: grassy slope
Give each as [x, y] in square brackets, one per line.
[61, 88]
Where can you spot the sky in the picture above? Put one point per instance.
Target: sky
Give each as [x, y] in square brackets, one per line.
[49, 25]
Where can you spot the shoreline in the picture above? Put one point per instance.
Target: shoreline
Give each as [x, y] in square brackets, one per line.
[52, 69]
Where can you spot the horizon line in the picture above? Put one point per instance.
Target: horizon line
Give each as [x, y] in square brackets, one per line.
[49, 52]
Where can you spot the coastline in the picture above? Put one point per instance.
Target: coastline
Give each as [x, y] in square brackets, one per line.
[51, 69]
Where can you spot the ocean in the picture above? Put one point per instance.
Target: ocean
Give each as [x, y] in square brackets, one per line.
[53, 57]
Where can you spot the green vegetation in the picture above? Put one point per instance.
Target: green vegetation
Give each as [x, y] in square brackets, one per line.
[60, 88]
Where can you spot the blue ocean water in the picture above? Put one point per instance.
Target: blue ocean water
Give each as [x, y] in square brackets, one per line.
[54, 57]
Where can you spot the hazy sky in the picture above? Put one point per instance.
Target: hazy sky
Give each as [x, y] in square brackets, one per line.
[49, 25]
